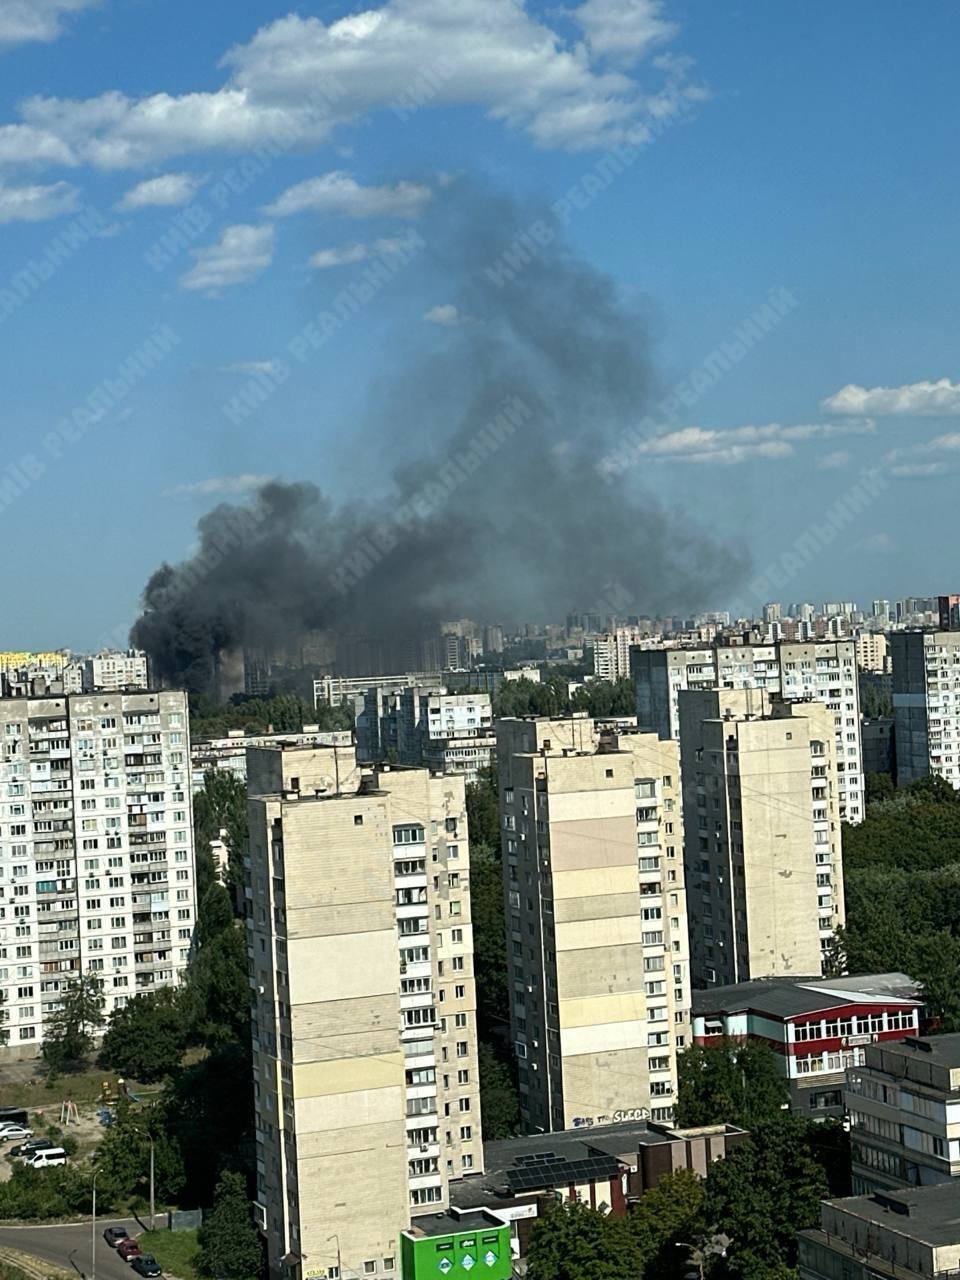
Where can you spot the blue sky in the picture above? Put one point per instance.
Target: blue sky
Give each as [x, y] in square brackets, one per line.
[805, 147]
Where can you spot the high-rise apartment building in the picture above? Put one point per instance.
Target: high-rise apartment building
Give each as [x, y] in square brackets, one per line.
[948, 612]
[762, 835]
[926, 704]
[611, 652]
[596, 920]
[112, 670]
[430, 728]
[96, 851]
[872, 651]
[823, 671]
[365, 1049]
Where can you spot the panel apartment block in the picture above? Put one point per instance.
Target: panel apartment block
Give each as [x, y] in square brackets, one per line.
[365, 1046]
[926, 704]
[762, 835]
[96, 851]
[596, 927]
[822, 671]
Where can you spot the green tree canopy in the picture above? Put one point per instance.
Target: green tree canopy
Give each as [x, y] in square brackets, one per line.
[146, 1038]
[70, 1030]
[499, 1105]
[574, 1242]
[737, 1082]
[230, 1248]
[761, 1194]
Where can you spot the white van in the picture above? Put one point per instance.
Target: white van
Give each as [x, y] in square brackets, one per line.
[45, 1159]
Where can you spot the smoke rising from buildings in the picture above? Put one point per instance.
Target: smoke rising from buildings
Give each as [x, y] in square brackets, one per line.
[493, 429]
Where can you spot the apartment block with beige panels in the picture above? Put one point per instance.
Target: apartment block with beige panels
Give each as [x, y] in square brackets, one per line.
[762, 835]
[365, 1048]
[596, 920]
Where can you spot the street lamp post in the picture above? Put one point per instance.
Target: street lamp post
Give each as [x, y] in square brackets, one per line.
[339, 1263]
[696, 1254]
[152, 1204]
[93, 1229]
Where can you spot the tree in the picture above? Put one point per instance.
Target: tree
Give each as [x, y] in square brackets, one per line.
[146, 1038]
[220, 806]
[735, 1082]
[760, 1195]
[669, 1213]
[123, 1156]
[230, 1248]
[216, 995]
[574, 1242]
[70, 1031]
[499, 1106]
[483, 810]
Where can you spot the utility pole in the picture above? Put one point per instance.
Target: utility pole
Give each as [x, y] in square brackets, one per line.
[151, 1183]
[93, 1230]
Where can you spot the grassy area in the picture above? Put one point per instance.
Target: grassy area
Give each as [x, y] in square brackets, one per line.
[81, 1087]
[176, 1251]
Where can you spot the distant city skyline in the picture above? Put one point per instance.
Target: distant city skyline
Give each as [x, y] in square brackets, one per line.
[224, 207]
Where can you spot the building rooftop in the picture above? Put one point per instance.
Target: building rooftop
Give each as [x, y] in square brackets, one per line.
[519, 1166]
[790, 997]
[453, 1223]
[941, 1051]
[929, 1214]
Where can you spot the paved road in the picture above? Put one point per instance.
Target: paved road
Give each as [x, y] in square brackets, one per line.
[69, 1247]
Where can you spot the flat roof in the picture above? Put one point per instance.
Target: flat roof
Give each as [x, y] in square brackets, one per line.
[943, 1051]
[789, 997]
[515, 1166]
[929, 1214]
[449, 1224]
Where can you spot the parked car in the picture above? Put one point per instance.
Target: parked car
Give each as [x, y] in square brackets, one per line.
[33, 1144]
[15, 1133]
[114, 1235]
[128, 1250]
[47, 1158]
[145, 1264]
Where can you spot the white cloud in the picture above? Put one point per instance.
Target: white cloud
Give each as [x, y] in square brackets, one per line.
[299, 78]
[445, 315]
[937, 457]
[876, 544]
[252, 368]
[834, 461]
[217, 485]
[166, 192]
[323, 259]
[740, 444]
[37, 204]
[623, 30]
[240, 254]
[340, 195]
[939, 399]
[23, 21]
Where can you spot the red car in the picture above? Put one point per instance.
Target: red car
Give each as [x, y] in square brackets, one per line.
[128, 1249]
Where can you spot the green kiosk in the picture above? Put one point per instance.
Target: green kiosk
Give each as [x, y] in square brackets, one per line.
[454, 1245]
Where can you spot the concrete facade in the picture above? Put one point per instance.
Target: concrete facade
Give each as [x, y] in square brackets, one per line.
[96, 851]
[365, 1048]
[822, 671]
[904, 1109]
[926, 704]
[762, 835]
[596, 920]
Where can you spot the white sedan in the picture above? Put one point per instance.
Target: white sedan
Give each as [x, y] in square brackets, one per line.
[15, 1133]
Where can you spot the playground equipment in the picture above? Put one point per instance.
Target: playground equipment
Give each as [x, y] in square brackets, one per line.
[69, 1113]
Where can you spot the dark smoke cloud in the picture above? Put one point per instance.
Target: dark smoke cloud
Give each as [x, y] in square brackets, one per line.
[530, 533]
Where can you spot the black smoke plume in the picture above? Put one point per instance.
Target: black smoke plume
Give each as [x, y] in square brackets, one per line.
[497, 509]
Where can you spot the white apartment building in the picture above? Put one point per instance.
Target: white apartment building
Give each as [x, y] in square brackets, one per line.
[823, 671]
[109, 670]
[762, 835]
[926, 704]
[230, 753]
[611, 652]
[596, 920]
[96, 850]
[365, 1049]
[872, 651]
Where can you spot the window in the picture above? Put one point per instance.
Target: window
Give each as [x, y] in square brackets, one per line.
[466, 1133]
